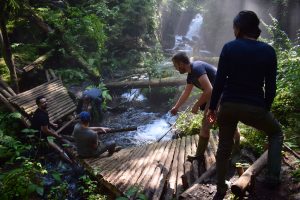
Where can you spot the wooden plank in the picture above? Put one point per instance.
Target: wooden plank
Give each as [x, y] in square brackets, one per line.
[139, 168]
[105, 164]
[127, 165]
[31, 91]
[209, 157]
[51, 98]
[62, 113]
[131, 167]
[146, 164]
[148, 168]
[181, 160]
[4, 92]
[52, 74]
[188, 167]
[7, 87]
[154, 180]
[46, 72]
[113, 168]
[165, 172]
[43, 92]
[195, 162]
[171, 185]
[51, 105]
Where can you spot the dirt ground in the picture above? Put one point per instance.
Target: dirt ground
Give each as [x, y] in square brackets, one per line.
[288, 190]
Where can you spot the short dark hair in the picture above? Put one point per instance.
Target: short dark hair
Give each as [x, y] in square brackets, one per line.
[181, 57]
[248, 23]
[38, 99]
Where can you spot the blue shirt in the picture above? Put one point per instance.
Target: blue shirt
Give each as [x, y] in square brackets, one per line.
[246, 74]
[198, 68]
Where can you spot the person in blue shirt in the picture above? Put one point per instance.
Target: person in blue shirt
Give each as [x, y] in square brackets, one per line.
[202, 75]
[246, 85]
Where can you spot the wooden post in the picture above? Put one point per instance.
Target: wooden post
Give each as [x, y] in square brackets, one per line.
[238, 188]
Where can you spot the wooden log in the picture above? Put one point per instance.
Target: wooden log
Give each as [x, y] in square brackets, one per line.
[188, 166]
[153, 183]
[47, 75]
[196, 185]
[129, 168]
[181, 160]
[238, 188]
[164, 173]
[7, 87]
[195, 164]
[114, 177]
[172, 180]
[65, 125]
[291, 151]
[4, 92]
[209, 157]
[139, 169]
[52, 74]
[38, 62]
[142, 180]
[124, 129]
[147, 83]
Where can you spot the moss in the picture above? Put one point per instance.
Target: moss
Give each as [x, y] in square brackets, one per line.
[4, 72]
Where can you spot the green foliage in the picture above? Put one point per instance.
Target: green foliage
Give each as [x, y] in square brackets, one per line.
[60, 191]
[133, 193]
[286, 103]
[10, 147]
[160, 95]
[22, 182]
[89, 189]
[254, 139]
[189, 123]
[71, 76]
[296, 173]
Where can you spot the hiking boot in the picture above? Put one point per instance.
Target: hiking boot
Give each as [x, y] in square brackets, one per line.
[202, 145]
[221, 191]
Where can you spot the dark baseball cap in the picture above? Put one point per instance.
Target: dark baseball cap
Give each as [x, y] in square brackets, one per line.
[85, 116]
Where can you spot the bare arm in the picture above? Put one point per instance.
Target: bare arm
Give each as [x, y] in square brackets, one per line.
[206, 94]
[46, 130]
[100, 129]
[184, 96]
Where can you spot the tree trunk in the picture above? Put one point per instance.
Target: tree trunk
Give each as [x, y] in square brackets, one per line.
[7, 55]
[68, 47]
[146, 83]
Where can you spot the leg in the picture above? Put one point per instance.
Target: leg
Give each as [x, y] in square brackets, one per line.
[227, 125]
[203, 137]
[263, 120]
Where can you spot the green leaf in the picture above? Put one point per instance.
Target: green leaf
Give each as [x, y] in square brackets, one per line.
[29, 130]
[50, 139]
[121, 198]
[56, 176]
[15, 115]
[39, 190]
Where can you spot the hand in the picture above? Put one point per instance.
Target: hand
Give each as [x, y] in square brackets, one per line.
[104, 129]
[211, 116]
[174, 111]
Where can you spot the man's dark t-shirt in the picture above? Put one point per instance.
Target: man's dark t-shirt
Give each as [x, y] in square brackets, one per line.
[40, 118]
[198, 68]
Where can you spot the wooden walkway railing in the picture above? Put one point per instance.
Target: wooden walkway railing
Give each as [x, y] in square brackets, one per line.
[160, 170]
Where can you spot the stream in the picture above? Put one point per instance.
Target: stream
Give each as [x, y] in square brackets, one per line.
[152, 121]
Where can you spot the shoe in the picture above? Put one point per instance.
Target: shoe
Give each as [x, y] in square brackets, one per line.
[221, 191]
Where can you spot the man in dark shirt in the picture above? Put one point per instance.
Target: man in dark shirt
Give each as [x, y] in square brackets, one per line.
[40, 122]
[246, 83]
[86, 138]
[202, 75]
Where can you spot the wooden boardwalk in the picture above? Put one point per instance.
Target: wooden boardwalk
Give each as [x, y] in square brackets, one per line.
[159, 170]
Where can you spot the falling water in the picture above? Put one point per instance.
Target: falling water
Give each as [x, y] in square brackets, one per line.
[191, 39]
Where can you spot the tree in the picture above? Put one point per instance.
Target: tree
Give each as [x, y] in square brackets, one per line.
[6, 8]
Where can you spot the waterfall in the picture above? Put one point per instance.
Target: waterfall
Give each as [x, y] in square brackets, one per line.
[191, 39]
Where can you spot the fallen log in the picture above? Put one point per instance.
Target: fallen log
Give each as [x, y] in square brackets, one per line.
[196, 185]
[291, 151]
[115, 130]
[147, 83]
[238, 188]
[38, 62]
